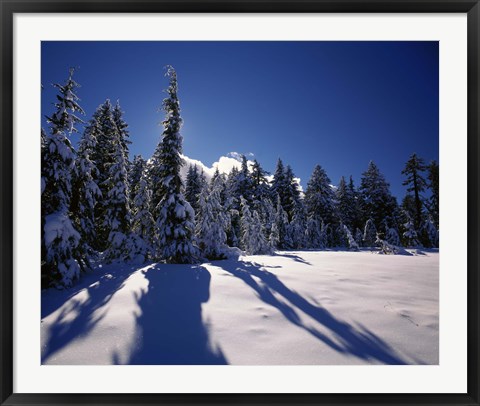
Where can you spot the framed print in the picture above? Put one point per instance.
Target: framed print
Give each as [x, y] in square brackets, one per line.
[234, 202]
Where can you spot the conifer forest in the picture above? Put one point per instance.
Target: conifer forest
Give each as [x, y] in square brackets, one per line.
[343, 271]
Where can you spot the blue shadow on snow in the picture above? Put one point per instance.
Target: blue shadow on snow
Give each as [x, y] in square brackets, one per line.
[357, 342]
[170, 328]
[99, 291]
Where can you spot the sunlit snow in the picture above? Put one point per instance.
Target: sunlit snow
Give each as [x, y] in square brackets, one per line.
[305, 307]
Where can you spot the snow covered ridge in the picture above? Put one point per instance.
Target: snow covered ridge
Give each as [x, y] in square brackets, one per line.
[290, 308]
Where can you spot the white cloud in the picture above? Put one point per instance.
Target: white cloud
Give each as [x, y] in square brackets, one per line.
[224, 164]
[200, 165]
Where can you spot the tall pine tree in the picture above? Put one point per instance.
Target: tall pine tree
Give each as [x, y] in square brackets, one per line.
[117, 217]
[62, 259]
[174, 215]
[194, 183]
[415, 184]
[212, 221]
[85, 192]
[135, 172]
[291, 193]
[377, 203]
[297, 227]
[279, 233]
[320, 202]
[122, 128]
[102, 126]
[260, 187]
[434, 186]
[253, 236]
[143, 224]
[346, 203]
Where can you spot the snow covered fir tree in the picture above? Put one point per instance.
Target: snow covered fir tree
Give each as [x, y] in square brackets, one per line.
[174, 216]
[62, 256]
[98, 205]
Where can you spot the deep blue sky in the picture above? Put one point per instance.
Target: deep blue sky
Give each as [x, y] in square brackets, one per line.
[338, 104]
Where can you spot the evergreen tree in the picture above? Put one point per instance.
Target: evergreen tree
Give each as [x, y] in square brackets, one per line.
[279, 183]
[122, 128]
[340, 237]
[433, 185]
[319, 198]
[260, 188]
[220, 179]
[291, 193]
[274, 237]
[44, 199]
[103, 128]
[357, 215]
[342, 203]
[376, 201]
[232, 207]
[408, 206]
[109, 148]
[244, 182]
[369, 234]
[407, 214]
[174, 215]
[261, 196]
[194, 183]
[296, 228]
[359, 237]
[260, 244]
[280, 227]
[43, 152]
[117, 216]
[416, 184]
[429, 233]
[351, 242]
[62, 260]
[285, 186]
[266, 210]
[392, 237]
[346, 203]
[143, 224]
[253, 237]
[85, 192]
[232, 184]
[212, 221]
[135, 172]
[325, 231]
[216, 175]
[313, 233]
[411, 235]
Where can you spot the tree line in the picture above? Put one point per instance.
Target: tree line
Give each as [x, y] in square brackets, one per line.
[96, 203]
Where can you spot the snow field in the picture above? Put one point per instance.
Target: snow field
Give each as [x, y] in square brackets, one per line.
[294, 308]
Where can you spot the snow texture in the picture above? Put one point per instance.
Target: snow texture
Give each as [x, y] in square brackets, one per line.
[293, 308]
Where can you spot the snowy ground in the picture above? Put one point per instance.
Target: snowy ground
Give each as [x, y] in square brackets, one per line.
[294, 308]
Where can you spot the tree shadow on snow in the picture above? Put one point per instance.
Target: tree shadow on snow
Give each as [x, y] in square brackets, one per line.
[296, 258]
[170, 328]
[346, 339]
[87, 313]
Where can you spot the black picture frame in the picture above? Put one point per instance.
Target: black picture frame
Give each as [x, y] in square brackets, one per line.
[9, 8]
